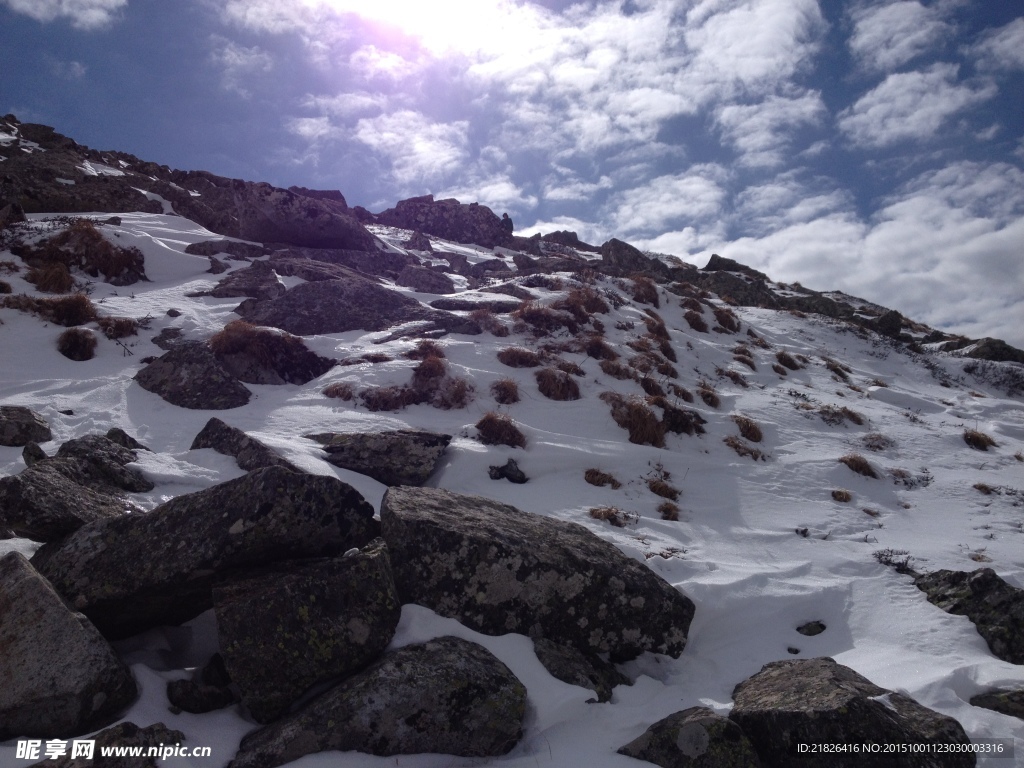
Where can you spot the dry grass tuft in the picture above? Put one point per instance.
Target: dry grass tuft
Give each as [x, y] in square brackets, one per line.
[452, 392]
[651, 387]
[876, 441]
[609, 514]
[68, 311]
[392, 398]
[748, 428]
[487, 320]
[645, 291]
[543, 321]
[734, 376]
[858, 464]
[617, 370]
[499, 429]
[979, 441]
[779, 369]
[742, 448]
[747, 361]
[118, 327]
[637, 419]
[601, 479]
[269, 348]
[557, 385]
[679, 421]
[505, 391]
[424, 349]
[727, 319]
[599, 349]
[428, 374]
[519, 357]
[696, 321]
[708, 394]
[841, 494]
[668, 511]
[984, 488]
[663, 489]
[77, 344]
[51, 278]
[340, 390]
[582, 303]
[841, 371]
[681, 392]
[5, 287]
[834, 415]
[787, 360]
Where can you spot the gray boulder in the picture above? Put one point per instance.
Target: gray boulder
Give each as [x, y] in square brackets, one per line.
[817, 701]
[620, 258]
[446, 696]
[135, 572]
[694, 738]
[1005, 702]
[32, 454]
[498, 569]
[98, 462]
[122, 735]
[448, 219]
[60, 677]
[995, 607]
[190, 376]
[289, 264]
[285, 629]
[249, 452]
[20, 425]
[419, 242]
[208, 689]
[570, 665]
[259, 280]
[425, 280]
[396, 457]
[240, 251]
[122, 438]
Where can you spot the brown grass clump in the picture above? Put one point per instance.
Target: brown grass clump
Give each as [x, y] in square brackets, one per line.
[679, 421]
[787, 360]
[519, 357]
[834, 415]
[1019, 455]
[667, 350]
[876, 441]
[858, 464]
[696, 321]
[748, 428]
[51, 278]
[452, 392]
[610, 514]
[392, 398]
[9, 267]
[118, 327]
[428, 374]
[651, 387]
[601, 479]
[681, 392]
[842, 495]
[545, 320]
[599, 349]
[734, 376]
[841, 371]
[663, 489]
[5, 287]
[487, 320]
[692, 304]
[779, 369]
[617, 370]
[340, 390]
[637, 419]
[77, 344]
[727, 319]
[567, 366]
[557, 385]
[424, 348]
[656, 326]
[499, 429]
[645, 291]
[742, 448]
[708, 394]
[505, 391]
[979, 441]
[581, 303]
[68, 311]
[668, 511]
[984, 488]
[82, 246]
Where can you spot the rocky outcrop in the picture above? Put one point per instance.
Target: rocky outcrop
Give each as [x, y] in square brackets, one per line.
[1005, 702]
[448, 219]
[419, 242]
[446, 696]
[570, 239]
[738, 287]
[570, 665]
[98, 462]
[498, 569]
[207, 690]
[60, 677]
[234, 248]
[425, 280]
[497, 306]
[258, 281]
[11, 213]
[381, 263]
[20, 425]
[122, 735]
[995, 607]
[249, 452]
[283, 630]
[397, 457]
[266, 356]
[131, 573]
[694, 738]
[190, 376]
[122, 438]
[721, 264]
[817, 701]
[623, 259]
[286, 264]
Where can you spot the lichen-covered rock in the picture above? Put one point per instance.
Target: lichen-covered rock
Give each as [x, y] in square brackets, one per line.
[249, 452]
[446, 696]
[231, 247]
[694, 738]
[817, 701]
[498, 569]
[122, 438]
[32, 453]
[570, 665]
[1006, 702]
[60, 677]
[99, 462]
[425, 280]
[123, 735]
[283, 630]
[448, 219]
[20, 425]
[395, 457]
[995, 607]
[190, 376]
[258, 280]
[208, 689]
[131, 573]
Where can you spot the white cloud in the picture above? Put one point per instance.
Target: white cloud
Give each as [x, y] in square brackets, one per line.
[498, 192]
[84, 14]
[239, 64]
[346, 104]
[1002, 48]
[910, 105]
[420, 151]
[762, 132]
[572, 188]
[696, 194]
[888, 35]
[68, 70]
[313, 129]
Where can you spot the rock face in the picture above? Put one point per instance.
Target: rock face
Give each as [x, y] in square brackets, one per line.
[622, 258]
[425, 280]
[818, 701]
[122, 735]
[445, 696]
[571, 239]
[570, 665]
[498, 569]
[995, 607]
[249, 452]
[284, 630]
[258, 281]
[131, 573]
[1007, 702]
[20, 425]
[101, 463]
[240, 251]
[60, 677]
[449, 219]
[694, 738]
[190, 376]
[398, 457]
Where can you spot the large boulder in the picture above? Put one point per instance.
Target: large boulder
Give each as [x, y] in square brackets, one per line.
[570, 665]
[373, 262]
[123, 736]
[446, 696]
[995, 607]
[258, 281]
[60, 677]
[1005, 702]
[98, 462]
[131, 573]
[694, 738]
[285, 629]
[266, 356]
[20, 425]
[190, 376]
[817, 701]
[498, 569]
[448, 219]
[249, 452]
[396, 457]
[620, 258]
[240, 251]
[570, 239]
[425, 280]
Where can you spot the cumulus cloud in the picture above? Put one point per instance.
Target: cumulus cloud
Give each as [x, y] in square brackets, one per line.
[696, 194]
[888, 35]
[1001, 48]
[497, 191]
[420, 151]
[762, 132]
[68, 70]
[238, 63]
[910, 105]
[83, 14]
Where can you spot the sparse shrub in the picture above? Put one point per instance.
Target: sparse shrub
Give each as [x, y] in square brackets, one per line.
[609, 514]
[899, 559]
[876, 441]
[692, 304]
[118, 327]
[871, 512]
[428, 374]
[668, 511]
[645, 291]
[505, 391]
[858, 464]
[271, 349]
[779, 369]
[9, 267]
[877, 383]
[617, 370]
[661, 488]
[787, 360]
[651, 387]
[340, 390]
[1019, 456]
[601, 479]
[487, 320]
[545, 320]
[5, 287]
[519, 357]
[681, 392]
[803, 359]
[557, 385]
[51, 278]
[637, 419]
[499, 429]
[696, 321]
[984, 488]
[425, 348]
[841, 371]
[392, 398]
[734, 376]
[656, 326]
[708, 394]
[834, 416]
[581, 303]
[667, 350]
[841, 494]
[979, 441]
[452, 392]
[598, 348]
[727, 319]
[748, 428]
[77, 344]
[679, 421]
[567, 366]
[742, 448]
[747, 361]
[69, 311]
[81, 245]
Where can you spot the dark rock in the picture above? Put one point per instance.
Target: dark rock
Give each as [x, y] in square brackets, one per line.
[363, 215]
[217, 267]
[122, 735]
[721, 264]
[996, 350]
[259, 280]
[458, 261]
[266, 356]
[197, 698]
[331, 195]
[97, 462]
[509, 289]
[310, 269]
[446, 696]
[889, 324]
[621, 258]
[60, 677]
[468, 305]
[1006, 702]
[122, 438]
[817, 701]
[448, 219]
[498, 569]
[571, 239]
[230, 247]
[32, 453]
[374, 262]
[811, 628]
[995, 607]
[20, 425]
[249, 452]
[190, 376]
[114, 221]
[131, 573]
[168, 338]
[509, 471]
[694, 738]
[172, 312]
[397, 457]
[488, 268]
[12, 213]
[568, 664]
[425, 280]
[283, 630]
[419, 242]
[738, 287]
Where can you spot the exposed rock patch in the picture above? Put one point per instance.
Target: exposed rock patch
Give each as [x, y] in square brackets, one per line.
[425, 280]
[190, 376]
[259, 281]
[397, 457]
[694, 738]
[249, 452]
[508, 471]
[266, 356]
[1007, 702]
[238, 250]
[20, 425]
[448, 219]
[621, 258]
[208, 689]
[570, 665]
[122, 735]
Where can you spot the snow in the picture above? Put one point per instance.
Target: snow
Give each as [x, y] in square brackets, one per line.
[735, 550]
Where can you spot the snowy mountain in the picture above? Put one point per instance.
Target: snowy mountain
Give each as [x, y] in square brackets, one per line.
[769, 451]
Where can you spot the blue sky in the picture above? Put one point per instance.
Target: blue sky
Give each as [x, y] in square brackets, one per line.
[872, 147]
